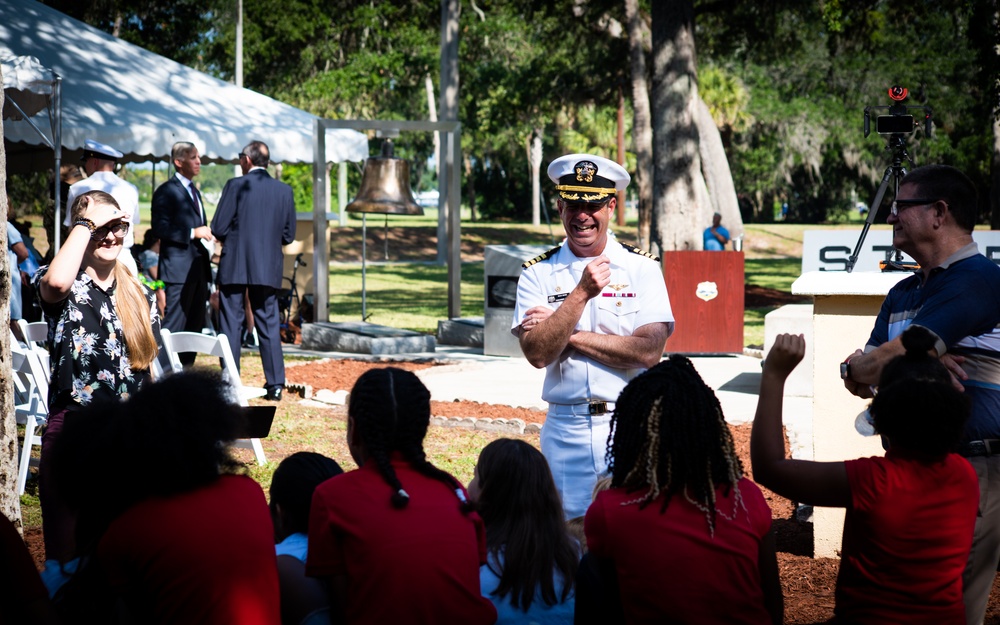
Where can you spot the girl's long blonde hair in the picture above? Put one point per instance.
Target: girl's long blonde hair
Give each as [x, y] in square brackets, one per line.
[131, 305]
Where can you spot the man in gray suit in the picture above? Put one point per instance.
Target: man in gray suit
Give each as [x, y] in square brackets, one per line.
[255, 217]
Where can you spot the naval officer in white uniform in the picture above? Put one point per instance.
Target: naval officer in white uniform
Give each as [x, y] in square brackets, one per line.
[595, 313]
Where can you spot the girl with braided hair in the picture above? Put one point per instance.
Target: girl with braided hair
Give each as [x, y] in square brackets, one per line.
[396, 539]
[686, 535]
[910, 514]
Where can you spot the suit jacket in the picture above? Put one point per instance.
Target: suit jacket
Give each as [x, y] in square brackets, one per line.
[255, 217]
[173, 216]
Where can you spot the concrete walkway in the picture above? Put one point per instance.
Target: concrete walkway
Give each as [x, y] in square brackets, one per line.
[471, 376]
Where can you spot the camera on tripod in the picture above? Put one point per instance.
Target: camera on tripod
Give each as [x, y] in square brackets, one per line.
[899, 120]
[893, 127]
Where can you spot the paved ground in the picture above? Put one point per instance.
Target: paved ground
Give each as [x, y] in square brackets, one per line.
[469, 375]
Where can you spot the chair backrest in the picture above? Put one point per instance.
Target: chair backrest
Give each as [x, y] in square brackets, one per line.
[28, 368]
[36, 336]
[34, 332]
[218, 346]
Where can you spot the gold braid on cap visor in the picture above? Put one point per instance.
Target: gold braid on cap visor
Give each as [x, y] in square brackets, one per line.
[590, 193]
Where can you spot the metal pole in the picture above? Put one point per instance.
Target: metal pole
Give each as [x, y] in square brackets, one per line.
[454, 227]
[57, 146]
[239, 43]
[364, 262]
[321, 246]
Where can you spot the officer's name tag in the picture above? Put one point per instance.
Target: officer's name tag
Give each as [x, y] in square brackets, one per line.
[557, 297]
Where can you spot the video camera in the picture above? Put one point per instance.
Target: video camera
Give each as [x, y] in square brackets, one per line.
[894, 127]
[899, 121]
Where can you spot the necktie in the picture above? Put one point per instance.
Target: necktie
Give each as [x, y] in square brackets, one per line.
[197, 204]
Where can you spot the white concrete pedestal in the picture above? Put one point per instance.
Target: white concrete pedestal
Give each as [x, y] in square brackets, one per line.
[845, 306]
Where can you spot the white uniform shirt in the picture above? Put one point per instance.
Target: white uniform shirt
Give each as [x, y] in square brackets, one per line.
[636, 296]
[124, 193]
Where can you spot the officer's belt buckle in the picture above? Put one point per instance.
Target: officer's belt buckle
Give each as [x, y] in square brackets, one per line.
[597, 407]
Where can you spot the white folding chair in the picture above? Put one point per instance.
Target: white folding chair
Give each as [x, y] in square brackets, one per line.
[36, 334]
[217, 346]
[31, 384]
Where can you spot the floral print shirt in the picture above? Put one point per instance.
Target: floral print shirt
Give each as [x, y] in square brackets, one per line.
[87, 352]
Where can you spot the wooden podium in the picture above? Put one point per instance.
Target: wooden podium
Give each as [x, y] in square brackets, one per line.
[706, 295]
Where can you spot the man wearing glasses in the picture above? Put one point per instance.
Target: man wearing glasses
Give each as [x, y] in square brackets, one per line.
[99, 162]
[255, 217]
[956, 295]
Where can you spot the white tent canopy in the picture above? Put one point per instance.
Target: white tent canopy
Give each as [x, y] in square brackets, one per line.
[141, 103]
[28, 86]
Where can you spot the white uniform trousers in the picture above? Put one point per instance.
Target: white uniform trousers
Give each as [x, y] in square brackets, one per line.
[575, 444]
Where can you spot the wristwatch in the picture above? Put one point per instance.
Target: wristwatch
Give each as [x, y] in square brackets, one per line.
[83, 221]
[845, 370]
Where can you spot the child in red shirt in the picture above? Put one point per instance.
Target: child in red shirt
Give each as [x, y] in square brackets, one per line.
[396, 539]
[910, 514]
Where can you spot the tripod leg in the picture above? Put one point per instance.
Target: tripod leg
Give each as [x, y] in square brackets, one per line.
[872, 210]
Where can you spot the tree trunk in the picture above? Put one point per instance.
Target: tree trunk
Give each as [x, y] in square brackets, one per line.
[470, 189]
[448, 111]
[10, 503]
[620, 156]
[535, 159]
[680, 198]
[995, 178]
[719, 178]
[642, 130]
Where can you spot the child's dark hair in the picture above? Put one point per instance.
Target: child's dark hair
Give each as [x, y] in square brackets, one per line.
[391, 409]
[168, 438]
[669, 436]
[293, 483]
[149, 238]
[525, 530]
[917, 407]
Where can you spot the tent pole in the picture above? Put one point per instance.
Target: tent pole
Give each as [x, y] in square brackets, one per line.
[57, 146]
[321, 236]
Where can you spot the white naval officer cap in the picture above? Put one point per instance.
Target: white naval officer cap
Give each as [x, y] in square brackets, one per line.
[587, 178]
[100, 150]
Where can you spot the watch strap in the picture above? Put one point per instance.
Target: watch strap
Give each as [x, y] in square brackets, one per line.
[845, 369]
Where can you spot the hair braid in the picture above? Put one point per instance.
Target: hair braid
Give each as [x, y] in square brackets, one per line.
[391, 408]
[669, 436]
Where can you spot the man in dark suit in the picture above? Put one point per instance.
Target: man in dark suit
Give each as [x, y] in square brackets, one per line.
[255, 217]
[178, 219]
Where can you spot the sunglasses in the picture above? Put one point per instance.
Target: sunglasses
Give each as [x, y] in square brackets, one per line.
[898, 205]
[119, 229]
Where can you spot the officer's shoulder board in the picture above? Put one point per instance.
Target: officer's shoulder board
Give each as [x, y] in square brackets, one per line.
[640, 252]
[540, 257]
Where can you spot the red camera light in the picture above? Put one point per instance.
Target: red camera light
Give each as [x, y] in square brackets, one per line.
[898, 93]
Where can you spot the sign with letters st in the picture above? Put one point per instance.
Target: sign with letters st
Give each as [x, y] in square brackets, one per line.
[828, 250]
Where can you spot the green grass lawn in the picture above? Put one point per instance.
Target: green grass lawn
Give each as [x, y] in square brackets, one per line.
[413, 296]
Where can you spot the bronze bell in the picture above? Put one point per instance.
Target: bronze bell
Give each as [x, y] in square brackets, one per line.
[385, 186]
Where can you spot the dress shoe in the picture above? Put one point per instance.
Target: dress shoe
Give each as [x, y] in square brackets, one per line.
[274, 392]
